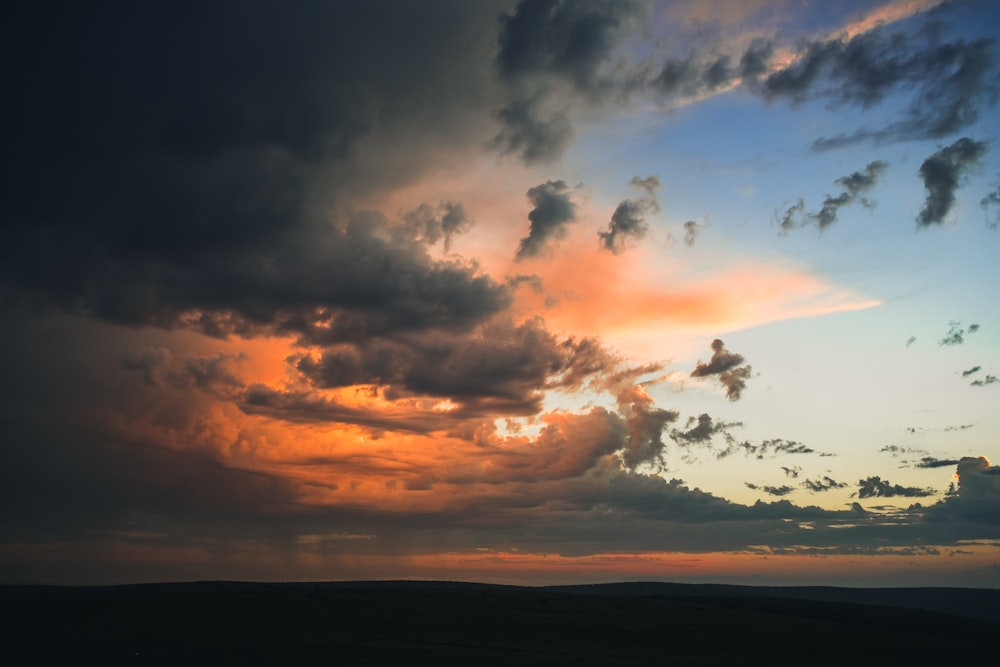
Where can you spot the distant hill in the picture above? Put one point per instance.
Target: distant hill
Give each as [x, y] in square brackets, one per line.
[455, 623]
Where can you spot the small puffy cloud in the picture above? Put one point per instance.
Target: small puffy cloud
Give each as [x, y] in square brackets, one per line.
[691, 230]
[955, 335]
[725, 366]
[854, 188]
[988, 380]
[553, 210]
[628, 222]
[991, 207]
[942, 173]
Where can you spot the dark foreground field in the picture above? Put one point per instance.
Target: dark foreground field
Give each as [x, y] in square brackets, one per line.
[406, 623]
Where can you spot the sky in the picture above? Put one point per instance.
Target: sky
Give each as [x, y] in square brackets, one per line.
[530, 292]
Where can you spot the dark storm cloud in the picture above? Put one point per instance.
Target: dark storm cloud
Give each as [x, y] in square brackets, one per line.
[988, 380]
[951, 81]
[726, 367]
[974, 369]
[501, 365]
[567, 38]
[875, 487]
[783, 490]
[176, 167]
[823, 484]
[531, 132]
[553, 210]
[543, 43]
[628, 222]
[942, 173]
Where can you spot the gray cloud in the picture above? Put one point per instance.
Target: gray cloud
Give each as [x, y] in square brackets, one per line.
[971, 371]
[792, 471]
[196, 177]
[543, 43]
[911, 340]
[823, 484]
[691, 229]
[855, 187]
[628, 221]
[783, 490]
[933, 462]
[955, 335]
[875, 487]
[553, 210]
[950, 81]
[991, 203]
[726, 367]
[942, 173]
[531, 132]
[430, 224]
[988, 380]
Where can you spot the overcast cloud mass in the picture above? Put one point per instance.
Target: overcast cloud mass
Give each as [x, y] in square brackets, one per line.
[492, 291]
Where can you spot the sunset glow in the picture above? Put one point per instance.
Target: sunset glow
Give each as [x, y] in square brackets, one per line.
[514, 291]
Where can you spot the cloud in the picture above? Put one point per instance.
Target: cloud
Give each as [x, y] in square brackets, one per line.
[553, 210]
[911, 340]
[942, 173]
[955, 335]
[215, 192]
[535, 134]
[791, 218]
[430, 224]
[691, 229]
[971, 371]
[855, 186]
[726, 367]
[545, 45]
[823, 484]
[950, 81]
[499, 366]
[874, 487]
[792, 471]
[988, 380]
[701, 429]
[783, 490]
[932, 462]
[628, 221]
[770, 448]
[991, 202]
[977, 496]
